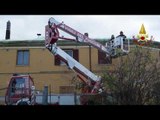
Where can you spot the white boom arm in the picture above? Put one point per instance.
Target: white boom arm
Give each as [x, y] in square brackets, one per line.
[74, 65]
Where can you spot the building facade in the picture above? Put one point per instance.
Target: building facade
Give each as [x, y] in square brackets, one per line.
[31, 57]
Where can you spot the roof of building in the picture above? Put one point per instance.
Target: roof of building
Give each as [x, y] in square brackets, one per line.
[41, 42]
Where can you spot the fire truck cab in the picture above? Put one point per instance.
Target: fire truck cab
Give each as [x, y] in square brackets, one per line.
[20, 91]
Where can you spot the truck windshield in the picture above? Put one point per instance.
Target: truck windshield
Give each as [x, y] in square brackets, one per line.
[20, 82]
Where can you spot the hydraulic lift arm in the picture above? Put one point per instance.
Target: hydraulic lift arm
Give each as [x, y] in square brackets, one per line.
[77, 67]
[54, 25]
[52, 35]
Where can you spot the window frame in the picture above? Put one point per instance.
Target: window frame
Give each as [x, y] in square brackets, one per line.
[63, 63]
[23, 58]
[75, 55]
[102, 60]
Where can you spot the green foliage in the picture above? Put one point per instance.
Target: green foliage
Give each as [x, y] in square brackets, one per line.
[134, 78]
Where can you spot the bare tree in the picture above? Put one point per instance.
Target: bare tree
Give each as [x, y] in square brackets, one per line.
[134, 80]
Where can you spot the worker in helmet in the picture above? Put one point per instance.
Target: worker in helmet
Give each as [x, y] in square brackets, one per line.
[111, 41]
[121, 35]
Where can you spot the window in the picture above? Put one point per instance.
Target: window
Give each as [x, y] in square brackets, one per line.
[72, 52]
[18, 85]
[23, 57]
[102, 59]
[69, 52]
[20, 82]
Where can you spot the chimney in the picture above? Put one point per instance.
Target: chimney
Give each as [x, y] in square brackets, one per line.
[8, 30]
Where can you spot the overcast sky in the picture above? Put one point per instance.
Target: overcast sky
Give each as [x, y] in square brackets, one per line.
[98, 26]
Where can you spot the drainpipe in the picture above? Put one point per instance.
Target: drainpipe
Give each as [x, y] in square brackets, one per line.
[90, 62]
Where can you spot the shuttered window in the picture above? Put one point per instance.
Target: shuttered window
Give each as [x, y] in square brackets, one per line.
[102, 59]
[69, 52]
[72, 52]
